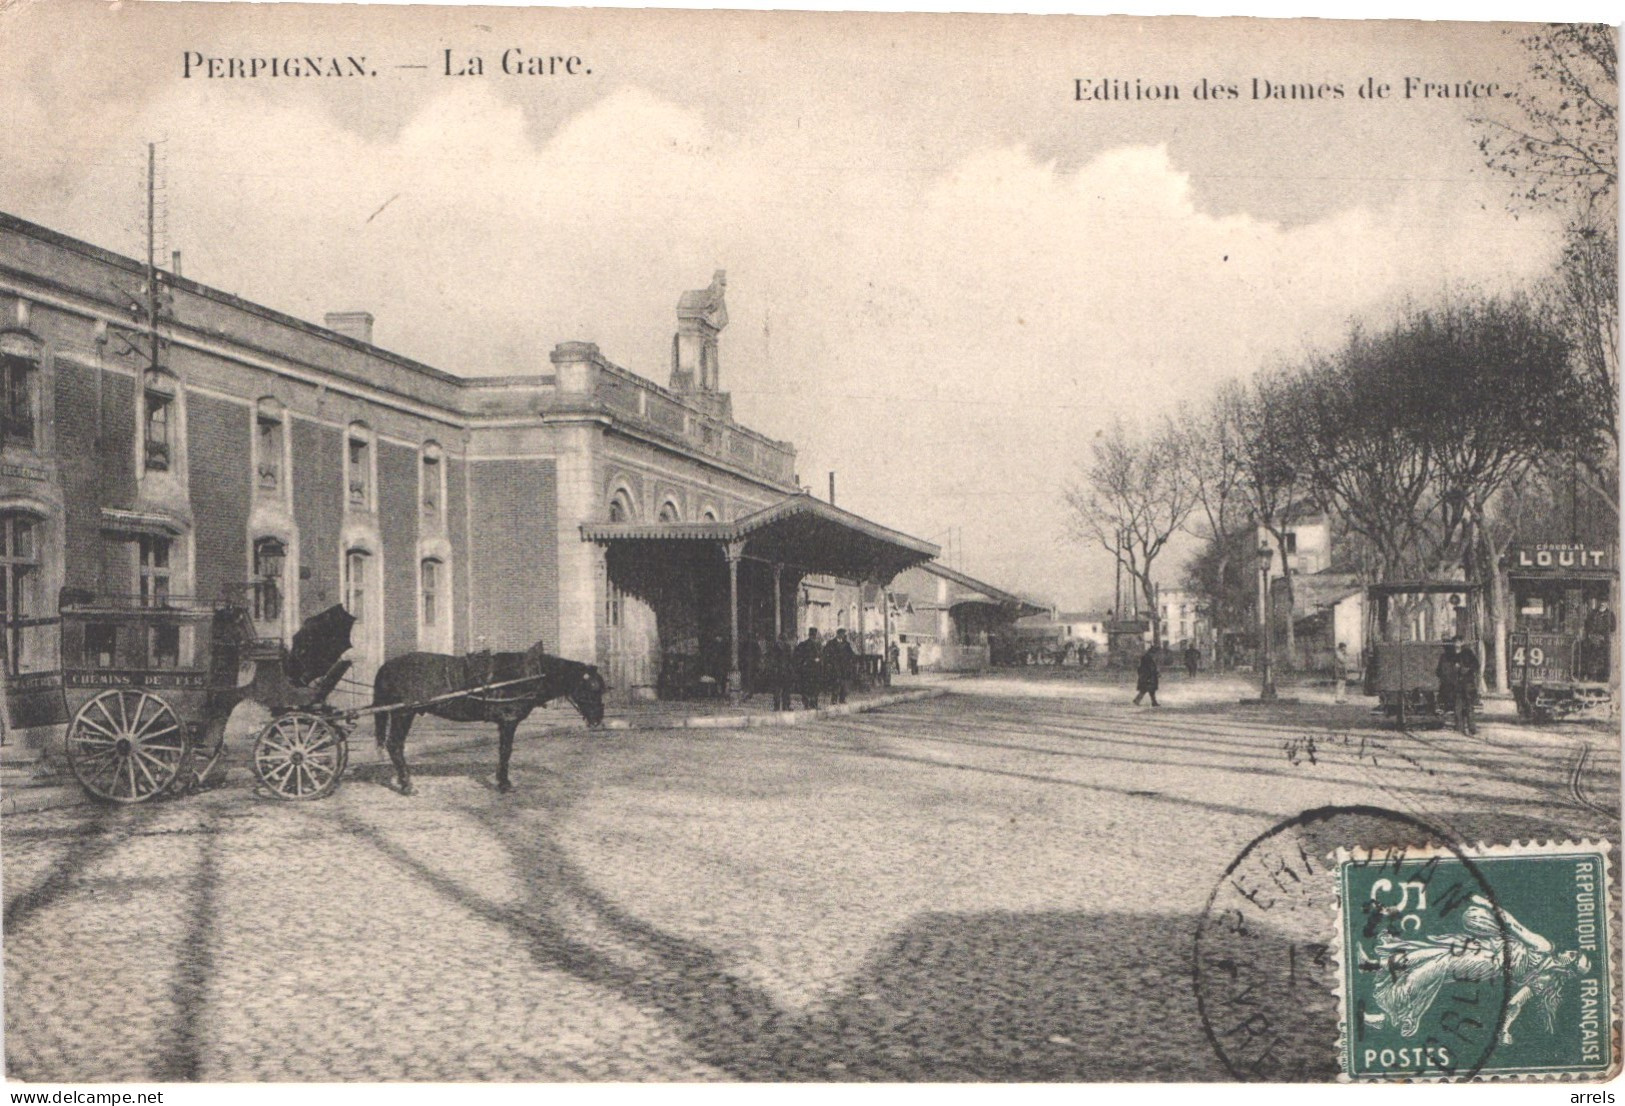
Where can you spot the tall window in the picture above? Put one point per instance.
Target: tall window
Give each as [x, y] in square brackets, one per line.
[159, 429]
[19, 585]
[18, 376]
[154, 570]
[614, 609]
[268, 445]
[431, 592]
[355, 583]
[620, 507]
[358, 472]
[430, 494]
[358, 467]
[270, 555]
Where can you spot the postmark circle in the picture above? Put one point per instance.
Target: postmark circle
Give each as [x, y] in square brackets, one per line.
[1284, 968]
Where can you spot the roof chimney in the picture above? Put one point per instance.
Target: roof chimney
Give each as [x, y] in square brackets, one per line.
[351, 324]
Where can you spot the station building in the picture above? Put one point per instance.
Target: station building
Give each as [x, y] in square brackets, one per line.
[231, 452]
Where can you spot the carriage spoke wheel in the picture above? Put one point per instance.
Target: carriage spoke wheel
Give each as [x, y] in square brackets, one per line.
[126, 745]
[300, 756]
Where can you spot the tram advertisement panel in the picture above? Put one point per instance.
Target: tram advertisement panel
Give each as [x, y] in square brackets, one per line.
[1541, 658]
[1558, 557]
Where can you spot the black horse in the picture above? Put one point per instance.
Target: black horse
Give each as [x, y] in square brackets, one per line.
[418, 677]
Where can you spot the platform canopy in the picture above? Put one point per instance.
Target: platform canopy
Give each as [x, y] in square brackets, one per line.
[799, 533]
[974, 592]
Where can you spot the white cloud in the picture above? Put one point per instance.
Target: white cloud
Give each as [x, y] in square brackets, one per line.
[948, 341]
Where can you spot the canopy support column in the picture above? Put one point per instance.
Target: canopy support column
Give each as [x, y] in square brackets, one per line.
[778, 601]
[863, 647]
[733, 550]
[885, 635]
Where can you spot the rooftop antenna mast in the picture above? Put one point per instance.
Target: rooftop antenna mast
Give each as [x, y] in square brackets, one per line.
[152, 265]
[155, 302]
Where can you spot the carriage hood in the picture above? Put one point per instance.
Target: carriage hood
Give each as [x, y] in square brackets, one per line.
[320, 642]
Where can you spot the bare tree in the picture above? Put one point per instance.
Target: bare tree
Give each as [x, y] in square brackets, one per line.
[1585, 300]
[1556, 137]
[1133, 497]
[1211, 451]
[1557, 134]
[1273, 482]
[1500, 397]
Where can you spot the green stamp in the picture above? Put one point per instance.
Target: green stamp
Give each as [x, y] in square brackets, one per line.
[1472, 965]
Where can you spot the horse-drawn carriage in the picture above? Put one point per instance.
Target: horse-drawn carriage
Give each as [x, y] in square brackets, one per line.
[149, 685]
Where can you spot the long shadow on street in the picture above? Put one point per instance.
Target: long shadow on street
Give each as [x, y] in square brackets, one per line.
[985, 996]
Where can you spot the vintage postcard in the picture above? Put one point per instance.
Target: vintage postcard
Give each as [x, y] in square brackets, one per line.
[587, 546]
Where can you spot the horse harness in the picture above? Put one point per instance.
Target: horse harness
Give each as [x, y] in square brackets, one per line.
[480, 670]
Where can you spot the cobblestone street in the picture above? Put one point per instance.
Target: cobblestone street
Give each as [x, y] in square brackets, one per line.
[998, 884]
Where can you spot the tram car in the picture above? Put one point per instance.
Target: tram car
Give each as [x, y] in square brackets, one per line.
[1407, 625]
[1561, 646]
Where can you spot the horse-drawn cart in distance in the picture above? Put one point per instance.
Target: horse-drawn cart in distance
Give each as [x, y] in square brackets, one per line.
[149, 685]
[1408, 624]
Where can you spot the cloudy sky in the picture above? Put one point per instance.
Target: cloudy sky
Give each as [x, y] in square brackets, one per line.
[945, 273]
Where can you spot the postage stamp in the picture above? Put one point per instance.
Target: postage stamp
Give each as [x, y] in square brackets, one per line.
[1493, 962]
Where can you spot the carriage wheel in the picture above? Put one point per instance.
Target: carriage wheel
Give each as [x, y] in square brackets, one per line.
[300, 756]
[126, 745]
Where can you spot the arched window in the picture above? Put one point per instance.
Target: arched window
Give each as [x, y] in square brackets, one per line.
[19, 585]
[432, 487]
[270, 555]
[620, 506]
[356, 565]
[708, 514]
[669, 512]
[269, 429]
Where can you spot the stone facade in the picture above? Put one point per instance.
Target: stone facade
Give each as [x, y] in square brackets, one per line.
[290, 466]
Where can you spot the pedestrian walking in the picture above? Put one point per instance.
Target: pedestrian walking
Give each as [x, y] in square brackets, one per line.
[781, 663]
[1193, 659]
[809, 668]
[838, 661]
[1148, 676]
[1340, 672]
[894, 657]
[913, 660]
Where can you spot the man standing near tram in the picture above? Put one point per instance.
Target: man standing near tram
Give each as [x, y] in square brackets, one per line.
[1458, 683]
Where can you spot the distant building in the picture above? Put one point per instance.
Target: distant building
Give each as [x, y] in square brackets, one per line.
[1328, 610]
[1182, 621]
[1308, 544]
[1086, 626]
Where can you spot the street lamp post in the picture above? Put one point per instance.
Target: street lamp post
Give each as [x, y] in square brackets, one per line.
[1266, 692]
